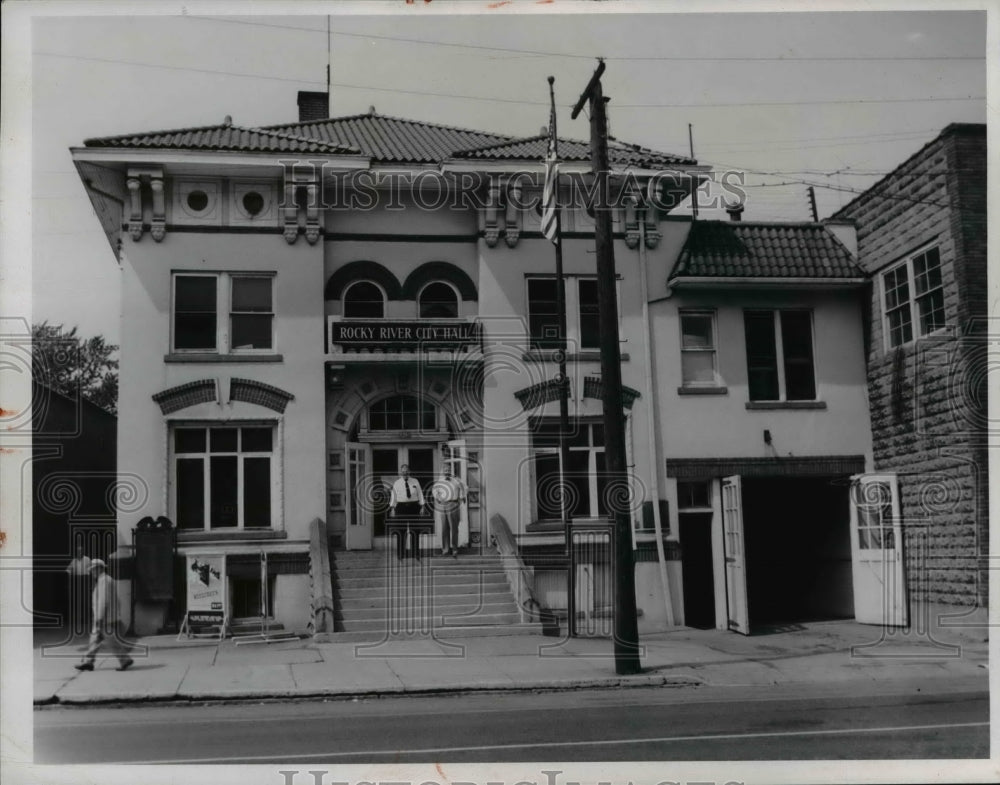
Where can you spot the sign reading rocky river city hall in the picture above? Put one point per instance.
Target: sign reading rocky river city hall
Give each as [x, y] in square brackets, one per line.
[403, 335]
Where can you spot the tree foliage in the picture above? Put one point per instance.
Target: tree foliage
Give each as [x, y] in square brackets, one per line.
[73, 365]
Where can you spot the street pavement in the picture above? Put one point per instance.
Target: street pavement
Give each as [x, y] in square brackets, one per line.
[167, 669]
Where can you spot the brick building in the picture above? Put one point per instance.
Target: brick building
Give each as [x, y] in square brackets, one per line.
[921, 234]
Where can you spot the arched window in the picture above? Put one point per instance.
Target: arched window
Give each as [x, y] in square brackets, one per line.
[438, 301]
[364, 300]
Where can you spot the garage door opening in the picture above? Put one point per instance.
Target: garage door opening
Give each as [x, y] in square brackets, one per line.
[798, 550]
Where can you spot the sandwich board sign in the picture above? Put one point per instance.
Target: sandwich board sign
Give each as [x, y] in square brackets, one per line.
[205, 579]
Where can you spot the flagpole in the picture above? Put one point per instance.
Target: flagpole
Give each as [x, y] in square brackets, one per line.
[561, 353]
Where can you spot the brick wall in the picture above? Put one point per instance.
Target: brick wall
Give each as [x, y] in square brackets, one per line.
[927, 398]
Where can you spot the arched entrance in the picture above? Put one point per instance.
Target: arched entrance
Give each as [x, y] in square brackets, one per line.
[390, 432]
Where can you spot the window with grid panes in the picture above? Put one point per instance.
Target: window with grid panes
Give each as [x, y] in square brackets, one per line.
[223, 476]
[913, 298]
[698, 368]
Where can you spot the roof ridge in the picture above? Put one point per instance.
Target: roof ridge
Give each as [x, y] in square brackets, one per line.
[515, 140]
[185, 130]
[394, 118]
[293, 138]
[771, 224]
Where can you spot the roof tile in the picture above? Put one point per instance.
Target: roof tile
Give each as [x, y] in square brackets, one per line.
[221, 137]
[759, 250]
[384, 139]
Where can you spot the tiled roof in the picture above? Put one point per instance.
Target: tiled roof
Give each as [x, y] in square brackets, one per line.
[392, 139]
[533, 148]
[382, 138]
[222, 137]
[763, 250]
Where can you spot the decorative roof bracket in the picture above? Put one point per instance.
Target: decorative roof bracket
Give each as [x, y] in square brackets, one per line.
[512, 230]
[492, 217]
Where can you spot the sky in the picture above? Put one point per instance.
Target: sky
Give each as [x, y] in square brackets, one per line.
[835, 100]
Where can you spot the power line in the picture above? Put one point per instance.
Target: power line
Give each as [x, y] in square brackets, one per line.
[805, 103]
[889, 134]
[637, 58]
[179, 68]
[494, 99]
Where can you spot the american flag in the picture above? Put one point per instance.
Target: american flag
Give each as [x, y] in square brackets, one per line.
[550, 191]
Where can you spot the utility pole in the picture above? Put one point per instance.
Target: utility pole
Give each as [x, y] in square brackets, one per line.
[626, 628]
[812, 204]
[563, 348]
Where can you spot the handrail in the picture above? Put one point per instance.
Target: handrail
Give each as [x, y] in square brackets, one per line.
[320, 579]
[518, 578]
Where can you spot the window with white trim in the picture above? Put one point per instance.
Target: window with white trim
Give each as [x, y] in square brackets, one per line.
[585, 475]
[224, 476]
[582, 313]
[780, 355]
[698, 351]
[438, 300]
[223, 312]
[364, 300]
[913, 298]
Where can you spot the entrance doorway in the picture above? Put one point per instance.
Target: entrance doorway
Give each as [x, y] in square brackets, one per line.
[696, 561]
[387, 459]
[798, 549]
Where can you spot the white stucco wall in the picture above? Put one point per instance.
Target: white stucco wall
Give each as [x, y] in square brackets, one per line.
[298, 304]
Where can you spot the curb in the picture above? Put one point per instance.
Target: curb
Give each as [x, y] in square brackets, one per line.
[615, 682]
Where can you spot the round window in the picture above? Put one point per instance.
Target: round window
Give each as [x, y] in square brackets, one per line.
[253, 203]
[197, 200]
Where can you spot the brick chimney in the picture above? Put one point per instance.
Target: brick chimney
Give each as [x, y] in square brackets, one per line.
[313, 106]
[735, 210]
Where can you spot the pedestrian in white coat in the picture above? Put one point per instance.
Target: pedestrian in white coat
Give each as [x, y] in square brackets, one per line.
[107, 628]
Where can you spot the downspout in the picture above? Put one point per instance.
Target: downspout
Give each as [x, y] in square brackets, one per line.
[651, 425]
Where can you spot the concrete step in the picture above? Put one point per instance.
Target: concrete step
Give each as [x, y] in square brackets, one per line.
[434, 565]
[418, 580]
[367, 599]
[448, 593]
[418, 622]
[463, 609]
[438, 633]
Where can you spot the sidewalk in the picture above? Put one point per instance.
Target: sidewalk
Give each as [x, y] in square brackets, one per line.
[825, 652]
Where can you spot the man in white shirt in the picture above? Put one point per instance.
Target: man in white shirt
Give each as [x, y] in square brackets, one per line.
[406, 501]
[449, 493]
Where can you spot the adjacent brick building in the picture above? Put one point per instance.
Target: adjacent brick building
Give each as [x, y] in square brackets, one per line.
[921, 234]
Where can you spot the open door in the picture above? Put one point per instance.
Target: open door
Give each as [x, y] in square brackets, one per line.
[877, 551]
[456, 458]
[360, 497]
[736, 565]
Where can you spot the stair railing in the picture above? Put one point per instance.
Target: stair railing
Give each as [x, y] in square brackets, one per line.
[518, 577]
[320, 580]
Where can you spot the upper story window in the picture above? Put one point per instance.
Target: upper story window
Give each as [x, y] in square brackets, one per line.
[438, 300]
[364, 300]
[585, 476]
[223, 476]
[582, 313]
[698, 359]
[780, 355]
[913, 298]
[223, 312]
